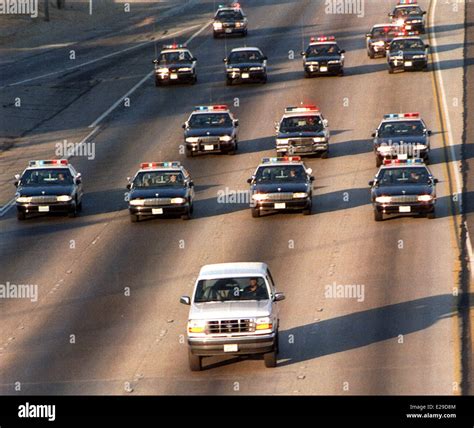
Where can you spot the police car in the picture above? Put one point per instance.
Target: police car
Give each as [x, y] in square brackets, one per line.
[211, 129]
[175, 64]
[403, 186]
[280, 184]
[379, 38]
[247, 64]
[302, 131]
[407, 53]
[408, 14]
[230, 20]
[401, 134]
[48, 186]
[323, 56]
[158, 189]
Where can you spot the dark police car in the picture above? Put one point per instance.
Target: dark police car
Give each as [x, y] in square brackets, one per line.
[211, 129]
[408, 14]
[323, 56]
[48, 186]
[379, 38]
[407, 53]
[281, 184]
[246, 65]
[175, 64]
[158, 189]
[401, 134]
[302, 131]
[230, 20]
[403, 186]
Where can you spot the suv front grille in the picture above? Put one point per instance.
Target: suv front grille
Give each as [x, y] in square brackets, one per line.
[279, 196]
[405, 198]
[157, 201]
[301, 141]
[230, 326]
[43, 199]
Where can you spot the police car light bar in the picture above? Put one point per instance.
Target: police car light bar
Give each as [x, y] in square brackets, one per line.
[401, 115]
[282, 159]
[148, 165]
[309, 107]
[235, 5]
[405, 2]
[403, 161]
[322, 39]
[174, 46]
[217, 107]
[48, 162]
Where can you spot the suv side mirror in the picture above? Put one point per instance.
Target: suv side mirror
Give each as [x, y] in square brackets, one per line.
[129, 186]
[342, 51]
[435, 181]
[184, 126]
[15, 183]
[312, 178]
[249, 180]
[424, 12]
[236, 122]
[191, 183]
[185, 300]
[429, 132]
[194, 59]
[225, 60]
[373, 134]
[371, 183]
[279, 297]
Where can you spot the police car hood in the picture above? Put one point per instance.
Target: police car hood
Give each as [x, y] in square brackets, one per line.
[230, 309]
[409, 53]
[51, 190]
[413, 17]
[412, 189]
[420, 139]
[244, 64]
[208, 132]
[175, 65]
[385, 38]
[301, 134]
[284, 187]
[163, 192]
[323, 58]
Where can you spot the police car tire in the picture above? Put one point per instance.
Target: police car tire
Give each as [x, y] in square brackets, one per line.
[255, 212]
[134, 218]
[20, 215]
[270, 359]
[195, 362]
[378, 216]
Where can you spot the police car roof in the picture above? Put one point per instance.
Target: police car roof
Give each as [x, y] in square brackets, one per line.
[248, 48]
[302, 113]
[281, 163]
[322, 42]
[171, 50]
[407, 38]
[400, 6]
[386, 25]
[229, 270]
[48, 166]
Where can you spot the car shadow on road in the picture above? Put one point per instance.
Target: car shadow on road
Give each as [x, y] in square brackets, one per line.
[359, 329]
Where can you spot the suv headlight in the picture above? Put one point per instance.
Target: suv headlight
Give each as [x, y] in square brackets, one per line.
[137, 202]
[192, 139]
[419, 56]
[264, 323]
[64, 198]
[178, 200]
[334, 61]
[259, 196]
[23, 199]
[282, 141]
[163, 70]
[185, 69]
[300, 195]
[319, 139]
[217, 25]
[196, 326]
[225, 138]
[257, 68]
[383, 199]
[425, 198]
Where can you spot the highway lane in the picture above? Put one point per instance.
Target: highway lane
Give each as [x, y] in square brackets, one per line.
[325, 342]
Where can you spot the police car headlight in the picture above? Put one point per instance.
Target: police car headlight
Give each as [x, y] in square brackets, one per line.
[217, 25]
[282, 142]
[163, 70]
[379, 43]
[185, 69]
[239, 24]
[415, 21]
[383, 199]
[396, 57]
[300, 195]
[312, 62]
[23, 199]
[233, 70]
[334, 61]
[137, 202]
[419, 56]
[425, 198]
[259, 197]
[225, 138]
[385, 149]
[178, 200]
[421, 147]
[256, 68]
[64, 198]
[319, 139]
[192, 139]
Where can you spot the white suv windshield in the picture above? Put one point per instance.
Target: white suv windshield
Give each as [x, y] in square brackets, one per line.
[231, 289]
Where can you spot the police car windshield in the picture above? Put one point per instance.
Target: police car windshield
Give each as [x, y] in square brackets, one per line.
[407, 44]
[158, 179]
[245, 56]
[280, 173]
[210, 120]
[323, 49]
[397, 129]
[173, 57]
[400, 176]
[406, 11]
[229, 15]
[231, 289]
[385, 32]
[301, 124]
[47, 177]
